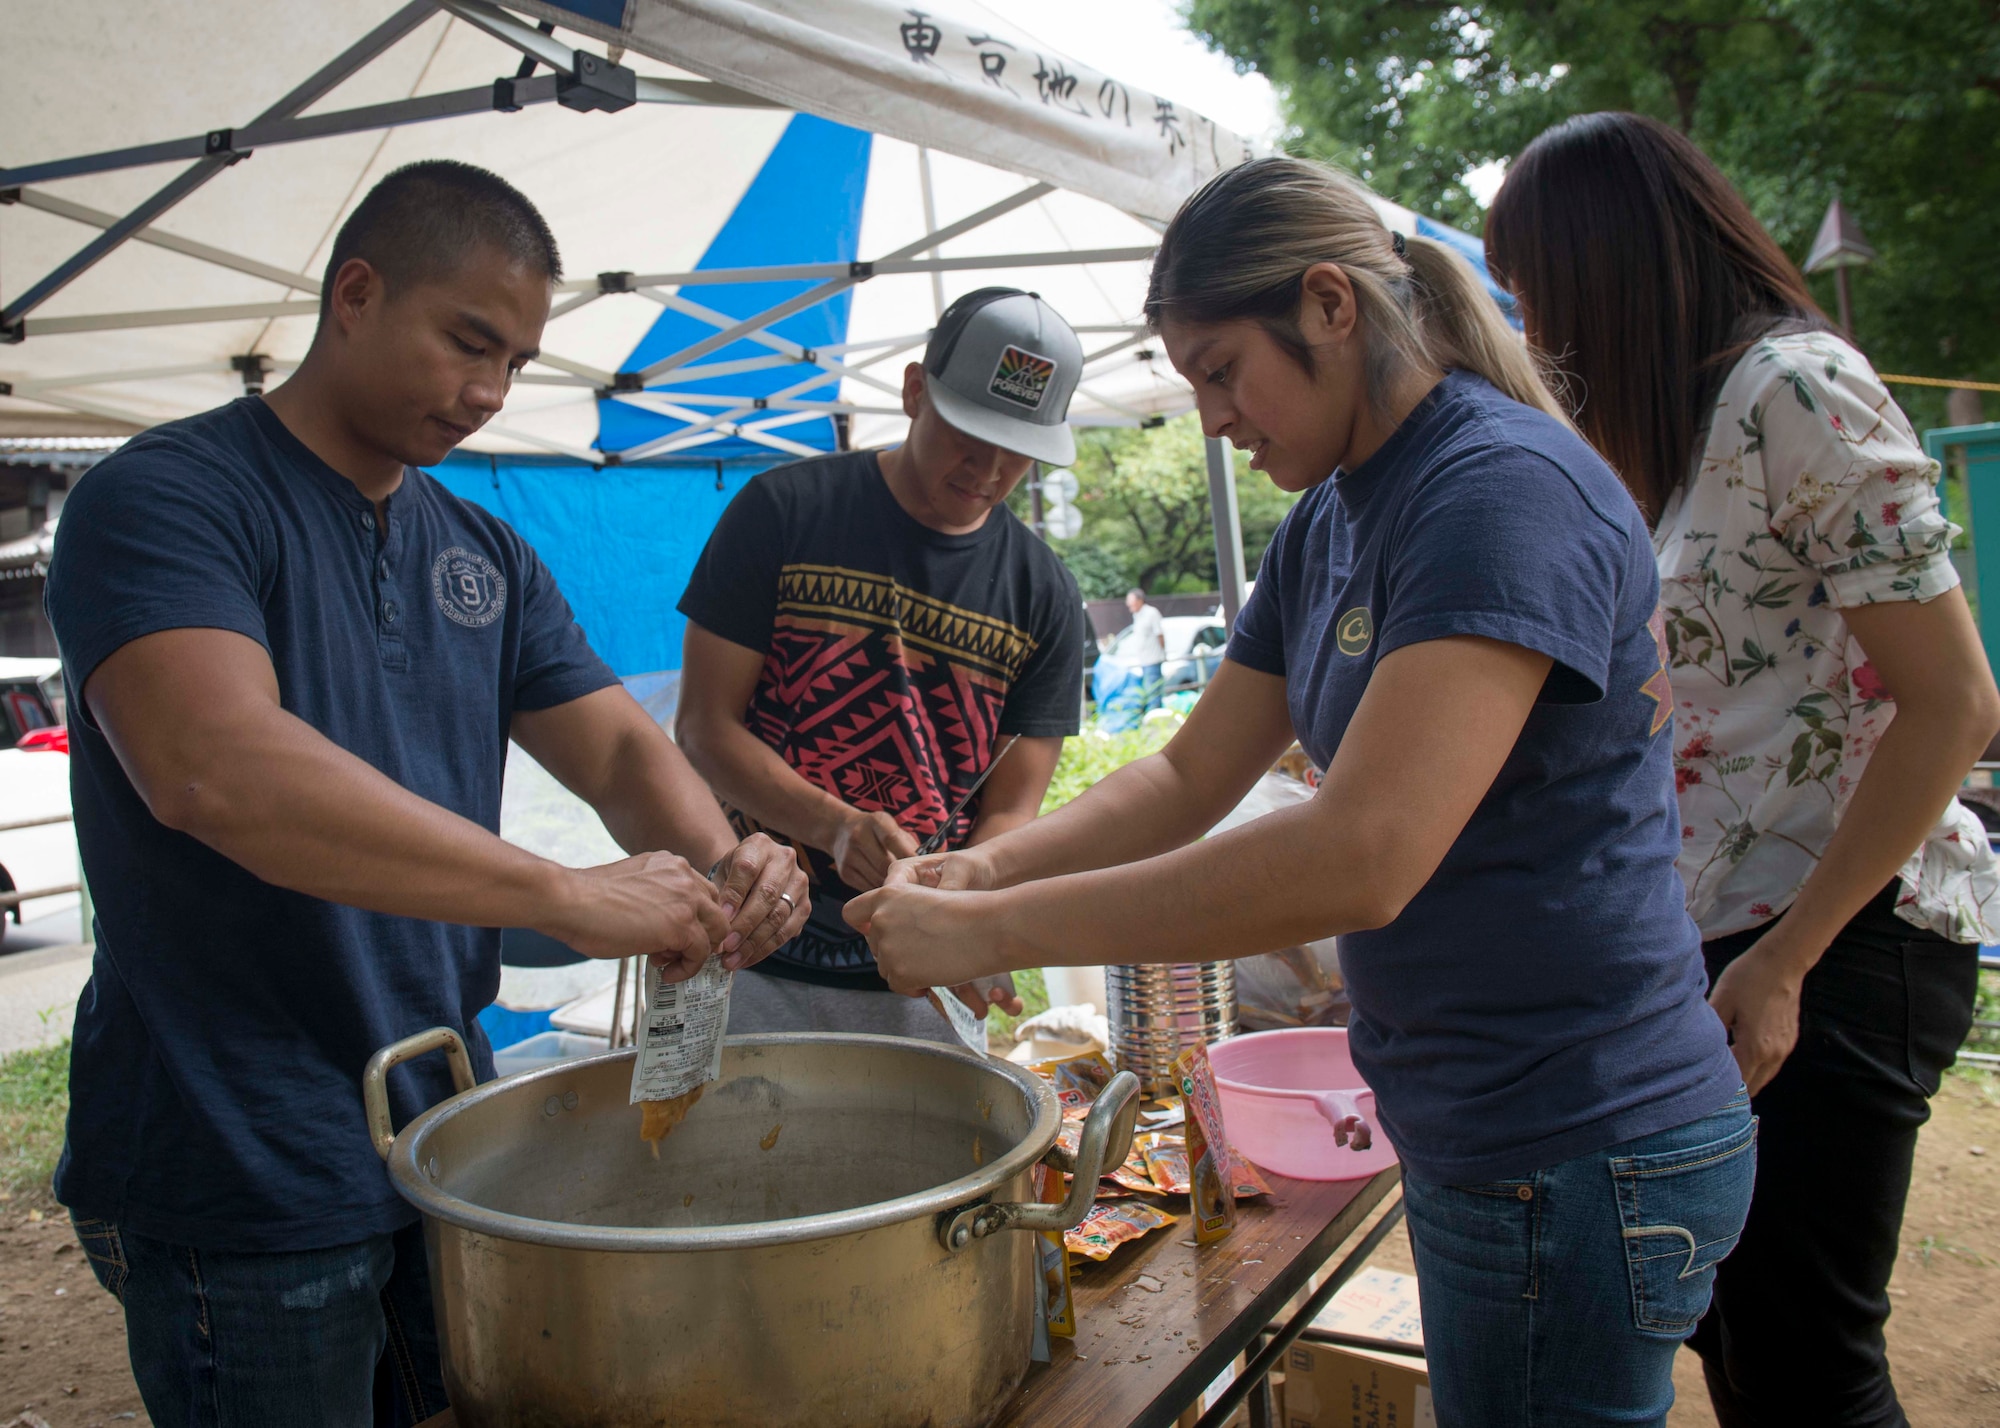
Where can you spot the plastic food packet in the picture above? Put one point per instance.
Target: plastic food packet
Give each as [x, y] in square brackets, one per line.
[1167, 1165]
[1108, 1226]
[680, 1046]
[1214, 1206]
[970, 1027]
[1078, 1081]
[1132, 1175]
[1299, 986]
[1052, 1258]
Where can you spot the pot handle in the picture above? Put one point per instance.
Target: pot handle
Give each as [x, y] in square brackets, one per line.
[1107, 1137]
[375, 1079]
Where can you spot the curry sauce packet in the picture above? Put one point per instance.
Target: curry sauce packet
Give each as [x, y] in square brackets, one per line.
[1052, 1258]
[1210, 1164]
[680, 1045]
[1078, 1081]
[1110, 1223]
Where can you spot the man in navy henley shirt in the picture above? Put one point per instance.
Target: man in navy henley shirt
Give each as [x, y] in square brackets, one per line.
[295, 663]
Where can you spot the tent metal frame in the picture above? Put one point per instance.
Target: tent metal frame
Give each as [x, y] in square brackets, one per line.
[584, 82]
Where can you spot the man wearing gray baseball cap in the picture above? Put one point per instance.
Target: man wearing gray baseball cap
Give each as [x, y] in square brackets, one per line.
[870, 632]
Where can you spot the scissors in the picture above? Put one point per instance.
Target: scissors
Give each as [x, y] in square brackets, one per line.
[936, 840]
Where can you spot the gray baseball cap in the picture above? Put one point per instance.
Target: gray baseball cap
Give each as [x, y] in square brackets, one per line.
[1001, 366]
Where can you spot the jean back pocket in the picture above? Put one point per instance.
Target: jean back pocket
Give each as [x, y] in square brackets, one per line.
[1681, 1212]
[106, 1253]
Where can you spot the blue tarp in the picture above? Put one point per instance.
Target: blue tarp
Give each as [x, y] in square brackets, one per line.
[621, 540]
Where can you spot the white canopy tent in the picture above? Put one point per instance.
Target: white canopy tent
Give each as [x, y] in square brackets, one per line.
[642, 128]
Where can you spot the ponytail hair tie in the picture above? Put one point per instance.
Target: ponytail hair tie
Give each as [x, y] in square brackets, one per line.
[1397, 241]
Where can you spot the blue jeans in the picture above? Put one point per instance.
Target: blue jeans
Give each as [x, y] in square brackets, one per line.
[1560, 1298]
[328, 1338]
[1154, 680]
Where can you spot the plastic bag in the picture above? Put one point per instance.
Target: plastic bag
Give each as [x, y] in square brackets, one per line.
[680, 1046]
[1298, 986]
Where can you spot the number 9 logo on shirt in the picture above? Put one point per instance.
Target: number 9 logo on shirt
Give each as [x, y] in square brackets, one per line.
[468, 587]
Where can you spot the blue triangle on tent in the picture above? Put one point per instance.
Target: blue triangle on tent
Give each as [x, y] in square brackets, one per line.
[804, 206]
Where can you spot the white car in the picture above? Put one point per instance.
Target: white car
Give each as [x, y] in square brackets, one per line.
[34, 786]
[1194, 649]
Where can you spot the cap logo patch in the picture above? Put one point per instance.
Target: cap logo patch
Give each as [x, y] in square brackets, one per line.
[1022, 377]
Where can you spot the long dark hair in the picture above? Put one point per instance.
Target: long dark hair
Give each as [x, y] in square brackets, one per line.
[1642, 276]
[1239, 249]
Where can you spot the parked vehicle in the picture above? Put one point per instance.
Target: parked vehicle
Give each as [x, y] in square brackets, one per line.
[1194, 649]
[34, 785]
[31, 697]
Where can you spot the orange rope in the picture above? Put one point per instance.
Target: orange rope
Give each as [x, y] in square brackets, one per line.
[1958, 385]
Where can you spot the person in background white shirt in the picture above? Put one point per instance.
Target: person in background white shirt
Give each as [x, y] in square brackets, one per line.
[1148, 644]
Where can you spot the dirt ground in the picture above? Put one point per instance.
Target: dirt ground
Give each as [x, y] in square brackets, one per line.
[1944, 1322]
[62, 1339]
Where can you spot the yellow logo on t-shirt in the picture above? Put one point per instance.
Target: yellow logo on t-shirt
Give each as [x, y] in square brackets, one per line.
[1355, 631]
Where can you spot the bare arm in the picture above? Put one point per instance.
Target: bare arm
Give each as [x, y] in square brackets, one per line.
[1014, 790]
[1431, 734]
[1152, 805]
[1930, 659]
[195, 719]
[607, 750]
[718, 677]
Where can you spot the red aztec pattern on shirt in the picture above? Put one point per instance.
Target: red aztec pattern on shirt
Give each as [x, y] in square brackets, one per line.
[888, 699]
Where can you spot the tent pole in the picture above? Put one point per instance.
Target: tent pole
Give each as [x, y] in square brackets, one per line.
[188, 180]
[1228, 529]
[930, 226]
[858, 273]
[222, 258]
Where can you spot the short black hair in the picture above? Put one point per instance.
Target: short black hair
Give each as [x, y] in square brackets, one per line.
[426, 218]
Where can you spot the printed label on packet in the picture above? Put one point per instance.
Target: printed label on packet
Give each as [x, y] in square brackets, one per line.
[970, 1028]
[680, 1036]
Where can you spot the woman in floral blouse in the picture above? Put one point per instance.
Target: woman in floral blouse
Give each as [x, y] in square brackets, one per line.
[1830, 695]
[1829, 699]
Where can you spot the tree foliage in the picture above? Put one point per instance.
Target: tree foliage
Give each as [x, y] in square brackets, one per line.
[1144, 498]
[1893, 104]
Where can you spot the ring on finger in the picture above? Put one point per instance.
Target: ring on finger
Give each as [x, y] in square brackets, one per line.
[786, 899]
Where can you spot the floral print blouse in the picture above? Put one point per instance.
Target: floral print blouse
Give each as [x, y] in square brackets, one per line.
[1813, 494]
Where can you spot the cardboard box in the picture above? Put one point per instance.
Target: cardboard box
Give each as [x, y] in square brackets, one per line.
[1377, 1304]
[1328, 1386]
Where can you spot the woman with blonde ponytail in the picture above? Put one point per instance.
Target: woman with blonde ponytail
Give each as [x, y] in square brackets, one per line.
[1458, 622]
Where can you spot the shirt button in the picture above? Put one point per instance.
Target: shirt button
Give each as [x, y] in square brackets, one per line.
[368, 520]
[382, 568]
[389, 611]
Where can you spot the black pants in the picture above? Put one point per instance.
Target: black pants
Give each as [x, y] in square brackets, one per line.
[1794, 1332]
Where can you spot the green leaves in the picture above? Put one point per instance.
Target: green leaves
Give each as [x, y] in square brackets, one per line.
[1143, 493]
[1891, 102]
[1753, 661]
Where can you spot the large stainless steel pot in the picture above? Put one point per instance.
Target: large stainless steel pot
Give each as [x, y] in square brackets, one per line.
[826, 1239]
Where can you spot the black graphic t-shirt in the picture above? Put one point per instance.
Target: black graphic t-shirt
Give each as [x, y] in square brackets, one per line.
[896, 659]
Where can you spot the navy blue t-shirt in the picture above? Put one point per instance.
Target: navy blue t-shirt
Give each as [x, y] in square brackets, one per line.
[215, 1079]
[1543, 995]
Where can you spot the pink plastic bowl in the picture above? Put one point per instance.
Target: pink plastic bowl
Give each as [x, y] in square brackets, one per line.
[1282, 1094]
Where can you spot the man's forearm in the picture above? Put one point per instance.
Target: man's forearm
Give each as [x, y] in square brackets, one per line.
[653, 800]
[750, 775]
[302, 813]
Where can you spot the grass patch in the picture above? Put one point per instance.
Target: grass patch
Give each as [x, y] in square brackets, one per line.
[34, 1100]
[1092, 755]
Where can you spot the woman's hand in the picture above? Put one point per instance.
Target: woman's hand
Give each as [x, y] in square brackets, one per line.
[1757, 997]
[961, 871]
[923, 938]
